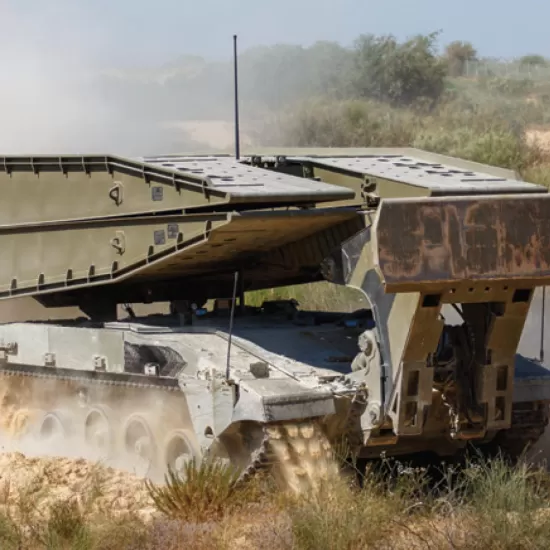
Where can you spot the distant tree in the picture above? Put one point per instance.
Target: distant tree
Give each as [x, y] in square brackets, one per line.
[533, 60]
[329, 69]
[279, 75]
[457, 55]
[400, 74]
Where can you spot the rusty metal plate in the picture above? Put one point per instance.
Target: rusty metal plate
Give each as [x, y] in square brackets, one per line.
[477, 238]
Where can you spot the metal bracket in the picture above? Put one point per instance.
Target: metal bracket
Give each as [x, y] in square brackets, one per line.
[157, 193]
[369, 192]
[119, 242]
[99, 363]
[6, 349]
[116, 193]
[10, 348]
[151, 369]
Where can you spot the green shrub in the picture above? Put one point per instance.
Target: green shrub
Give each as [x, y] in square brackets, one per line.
[322, 296]
[494, 147]
[400, 74]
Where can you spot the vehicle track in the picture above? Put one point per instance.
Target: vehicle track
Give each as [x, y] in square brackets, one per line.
[299, 454]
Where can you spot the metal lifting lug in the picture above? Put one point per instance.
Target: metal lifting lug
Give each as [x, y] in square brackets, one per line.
[119, 242]
[116, 193]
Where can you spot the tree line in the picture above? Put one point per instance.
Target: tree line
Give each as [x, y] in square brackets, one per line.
[382, 68]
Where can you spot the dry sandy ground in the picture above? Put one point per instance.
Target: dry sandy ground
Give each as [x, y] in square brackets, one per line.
[50, 479]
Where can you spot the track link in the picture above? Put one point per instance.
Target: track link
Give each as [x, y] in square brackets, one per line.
[300, 454]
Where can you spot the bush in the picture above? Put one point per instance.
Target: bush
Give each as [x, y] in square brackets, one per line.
[341, 517]
[205, 490]
[483, 505]
[510, 504]
[533, 60]
[321, 296]
[457, 129]
[400, 74]
[347, 124]
[512, 87]
[457, 55]
[494, 147]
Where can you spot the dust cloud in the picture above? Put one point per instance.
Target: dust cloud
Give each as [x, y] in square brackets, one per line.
[45, 104]
[62, 456]
[75, 433]
[62, 479]
[56, 99]
[58, 470]
[53, 101]
[303, 457]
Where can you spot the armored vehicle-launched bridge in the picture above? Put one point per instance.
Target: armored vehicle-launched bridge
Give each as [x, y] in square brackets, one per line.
[447, 252]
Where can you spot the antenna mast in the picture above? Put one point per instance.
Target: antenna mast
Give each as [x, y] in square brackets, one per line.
[233, 300]
[237, 137]
[543, 304]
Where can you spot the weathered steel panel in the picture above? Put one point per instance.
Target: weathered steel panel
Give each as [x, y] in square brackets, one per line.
[447, 240]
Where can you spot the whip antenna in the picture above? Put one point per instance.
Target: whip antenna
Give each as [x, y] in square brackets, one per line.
[235, 69]
[543, 304]
[233, 300]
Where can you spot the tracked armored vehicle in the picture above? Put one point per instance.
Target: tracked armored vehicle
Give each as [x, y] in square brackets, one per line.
[446, 254]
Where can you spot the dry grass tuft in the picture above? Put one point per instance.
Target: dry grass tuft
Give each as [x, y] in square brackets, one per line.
[484, 504]
[204, 491]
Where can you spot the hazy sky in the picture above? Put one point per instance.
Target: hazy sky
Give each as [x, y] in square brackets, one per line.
[46, 106]
[121, 31]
